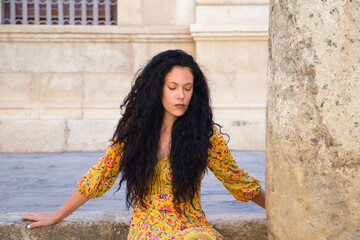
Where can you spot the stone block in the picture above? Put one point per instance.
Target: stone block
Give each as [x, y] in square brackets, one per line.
[219, 56]
[102, 113]
[235, 78]
[15, 113]
[212, 14]
[15, 90]
[56, 95]
[15, 95]
[246, 2]
[64, 57]
[238, 89]
[89, 135]
[159, 12]
[245, 134]
[231, 14]
[129, 12]
[249, 14]
[56, 89]
[244, 112]
[32, 136]
[106, 90]
[244, 124]
[104, 93]
[52, 113]
[211, 2]
[142, 53]
[185, 12]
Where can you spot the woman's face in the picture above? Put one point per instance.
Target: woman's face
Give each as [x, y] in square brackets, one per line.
[177, 91]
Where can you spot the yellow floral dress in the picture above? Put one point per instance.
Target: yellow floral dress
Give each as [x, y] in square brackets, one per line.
[160, 219]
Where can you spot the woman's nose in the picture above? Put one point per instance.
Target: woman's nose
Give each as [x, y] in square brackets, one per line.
[181, 94]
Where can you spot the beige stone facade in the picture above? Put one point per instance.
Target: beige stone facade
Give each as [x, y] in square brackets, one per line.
[61, 86]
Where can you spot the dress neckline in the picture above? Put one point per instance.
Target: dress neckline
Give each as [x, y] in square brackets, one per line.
[165, 157]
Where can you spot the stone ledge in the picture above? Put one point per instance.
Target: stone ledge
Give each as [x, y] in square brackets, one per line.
[229, 32]
[112, 34]
[109, 225]
[232, 2]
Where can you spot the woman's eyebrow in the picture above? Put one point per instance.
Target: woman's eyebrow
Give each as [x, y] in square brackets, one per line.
[184, 85]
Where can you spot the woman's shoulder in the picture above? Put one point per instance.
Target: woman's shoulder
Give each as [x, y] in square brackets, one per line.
[216, 130]
[216, 135]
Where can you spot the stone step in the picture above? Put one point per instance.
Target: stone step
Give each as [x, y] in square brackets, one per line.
[94, 225]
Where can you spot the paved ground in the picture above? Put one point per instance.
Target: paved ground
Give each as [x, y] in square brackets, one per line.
[42, 182]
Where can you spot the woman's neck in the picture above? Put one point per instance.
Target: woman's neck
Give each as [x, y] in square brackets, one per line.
[167, 123]
[165, 137]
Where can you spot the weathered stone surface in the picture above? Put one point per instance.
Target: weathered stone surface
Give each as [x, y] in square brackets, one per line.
[89, 135]
[249, 228]
[106, 90]
[56, 89]
[32, 136]
[56, 95]
[159, 12]
[11, 231]
[67, 230]
[15, 90]
[238, 89]
[129, 12]
[313, 132]
[15, 95]
[185, 12]
[64, 57]
[231, 13]
[142, 53]
[245, 134]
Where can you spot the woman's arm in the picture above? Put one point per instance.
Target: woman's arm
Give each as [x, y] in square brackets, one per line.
[236, 180]
[44, 219]
[95, 183]
[260, 198]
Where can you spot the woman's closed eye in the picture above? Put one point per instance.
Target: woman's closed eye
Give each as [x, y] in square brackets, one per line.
[186, 88]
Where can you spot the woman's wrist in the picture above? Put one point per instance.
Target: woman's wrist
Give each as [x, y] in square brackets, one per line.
[260, 198]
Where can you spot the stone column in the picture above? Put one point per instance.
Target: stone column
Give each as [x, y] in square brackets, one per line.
[313, 120]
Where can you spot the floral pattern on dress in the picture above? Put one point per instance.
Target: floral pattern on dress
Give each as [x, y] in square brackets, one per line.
[102, 176]
[237, 181]
[157, 217]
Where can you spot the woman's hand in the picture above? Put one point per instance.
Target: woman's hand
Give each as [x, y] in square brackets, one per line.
[45, 219]
[40, 219]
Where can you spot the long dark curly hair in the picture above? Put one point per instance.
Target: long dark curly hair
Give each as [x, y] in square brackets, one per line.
[138, 131]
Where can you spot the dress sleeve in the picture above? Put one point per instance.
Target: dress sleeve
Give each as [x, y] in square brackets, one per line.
[237, 181]
[102, 175]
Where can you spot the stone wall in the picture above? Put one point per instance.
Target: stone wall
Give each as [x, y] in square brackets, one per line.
[313, 132]
[61, 86]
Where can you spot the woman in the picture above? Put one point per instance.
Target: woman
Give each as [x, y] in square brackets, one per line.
[161, 148]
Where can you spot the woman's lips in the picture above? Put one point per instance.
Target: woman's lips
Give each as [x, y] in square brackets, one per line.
[180, 105]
